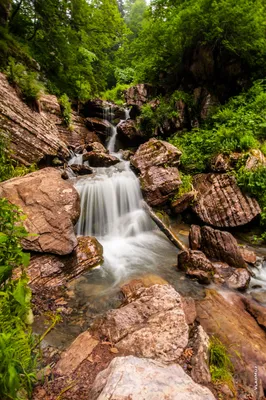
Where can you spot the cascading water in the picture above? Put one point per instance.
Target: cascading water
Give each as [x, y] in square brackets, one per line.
[111, 211]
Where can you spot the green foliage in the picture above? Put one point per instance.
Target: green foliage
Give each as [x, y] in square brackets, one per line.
[186, 186]
[124, 76]
[238, 126]
[221, 367]
[25, 80]
[17, 359]
[254, 183]
[171, 28]
[154, 116]
[65, 109]
[116, 95]
[8, 167]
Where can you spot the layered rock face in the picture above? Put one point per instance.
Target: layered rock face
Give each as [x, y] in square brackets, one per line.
[32, 135]
[157, 160]
[147, 379]
[221, 203]
[129, 134]
[51, 206]
[49, 270]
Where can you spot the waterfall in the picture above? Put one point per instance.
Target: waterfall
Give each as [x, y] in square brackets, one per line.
[111, 211]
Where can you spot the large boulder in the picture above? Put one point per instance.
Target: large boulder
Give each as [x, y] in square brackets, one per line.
[196, 265]
[158, 183]
[97, 159]
[151, 325]
[142, 379]
[129, 134]
[32, 135]
[99, 126]
[52, 207]
[221, 203]
[221, 246]
[48, 270]
[139, 94]
[225, 316]
[155, 153]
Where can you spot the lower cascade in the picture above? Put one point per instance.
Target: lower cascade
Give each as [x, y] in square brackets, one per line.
[111, 211]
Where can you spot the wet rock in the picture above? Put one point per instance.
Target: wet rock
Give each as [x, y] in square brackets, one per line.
[200, 372]
[226, 318]
[248, 255]
[220, 163]
[52, 207]
[96, 147]
[79, 351]
[97, 159]
[259, 296]
[151, 325]
[196, 265]
[128, 133]
[183, 202]
[148, 379]
[189, 309]
[256, 159]
[32, 135]
[221, 246]
[239, 279]
[81, 169]
[204, 101]
[130, 289]
[158, 183]
[155, 153]
[99, 126]
[256, 310]
[127, 154]
[195, 237]
[50, 270]
[220, 202]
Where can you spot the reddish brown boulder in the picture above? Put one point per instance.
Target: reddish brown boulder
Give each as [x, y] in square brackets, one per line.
[81, 169]
[151, 325]
[221, 246]
[32, 135]
[158, 183]
[196, 265]
[99, 126]
[96, 147]
[128, 133]
[221, 203]
[155, 153]
[256, 310]
[248, 255]
[52, 207]
[256, 159]
[97, 159]
[50, 270]
[239, 279]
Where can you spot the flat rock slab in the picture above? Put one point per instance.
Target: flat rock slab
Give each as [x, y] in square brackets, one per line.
[221, 203]
[225, 317]
[152, 325]
[52, 207]
[144, 379]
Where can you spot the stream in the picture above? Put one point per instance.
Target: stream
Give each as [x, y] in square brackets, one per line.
[133, 246]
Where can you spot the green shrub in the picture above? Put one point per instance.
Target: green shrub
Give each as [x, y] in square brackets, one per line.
[124, 76]
[8, 167]
[117, 94]
[221, 367]
[238, 126]
[254, 183]
[25, 80]
[65, 108]
[17, 356]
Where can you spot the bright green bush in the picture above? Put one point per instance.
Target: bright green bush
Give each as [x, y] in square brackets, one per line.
[117, 94]
[238, 126]
[26, 81]
[17, 358]
[65, 108]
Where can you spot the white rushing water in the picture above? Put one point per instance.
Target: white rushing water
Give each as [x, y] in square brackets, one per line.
[111, 211]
